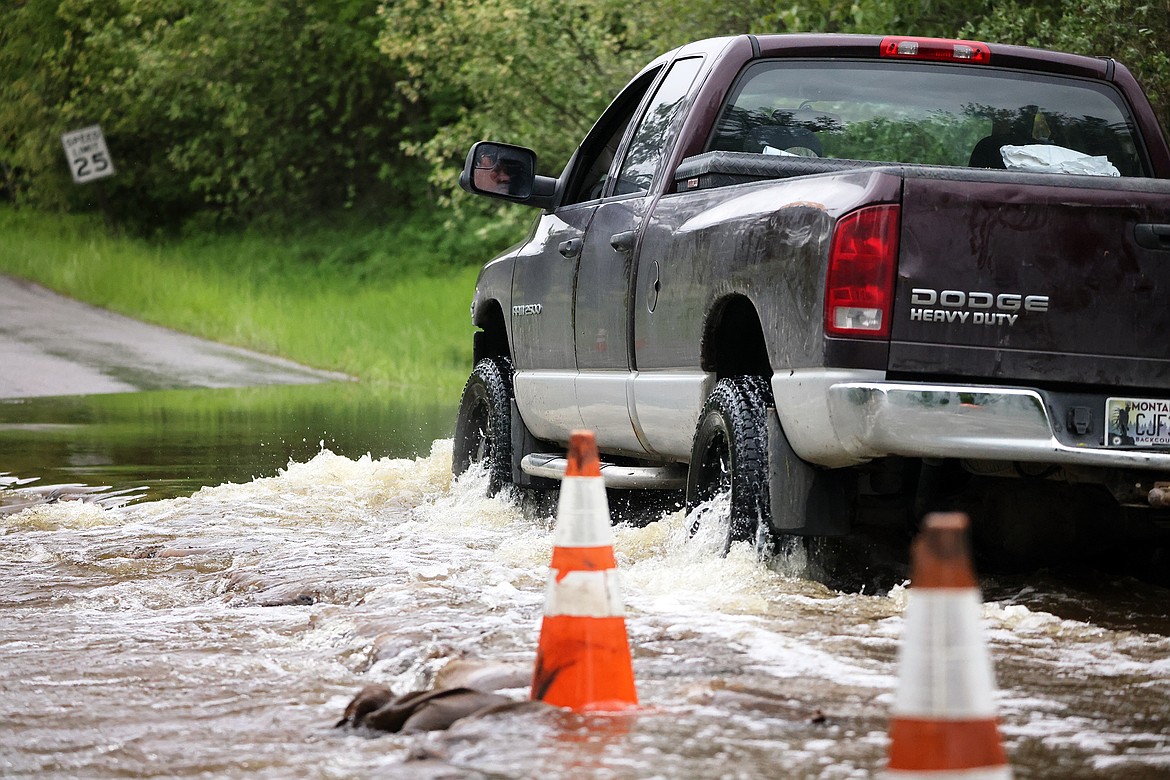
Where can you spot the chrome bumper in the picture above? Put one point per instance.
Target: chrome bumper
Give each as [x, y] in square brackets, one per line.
[872, 420]
[839, 418]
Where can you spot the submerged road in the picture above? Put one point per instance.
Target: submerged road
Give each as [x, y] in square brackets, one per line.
[53, 345]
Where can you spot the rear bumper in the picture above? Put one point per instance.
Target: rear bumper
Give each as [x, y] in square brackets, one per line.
[858, 417]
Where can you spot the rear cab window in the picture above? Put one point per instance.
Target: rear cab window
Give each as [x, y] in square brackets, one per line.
[924, 114]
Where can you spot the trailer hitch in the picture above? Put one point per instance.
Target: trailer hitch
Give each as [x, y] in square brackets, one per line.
[1160, 495]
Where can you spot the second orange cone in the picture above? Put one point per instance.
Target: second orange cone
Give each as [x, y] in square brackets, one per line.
[583, 660]
[944, 722]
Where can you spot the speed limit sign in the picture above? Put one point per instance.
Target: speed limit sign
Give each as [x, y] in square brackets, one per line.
[85, 149]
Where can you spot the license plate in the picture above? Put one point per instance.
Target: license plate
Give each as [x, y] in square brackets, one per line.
[1137, 422]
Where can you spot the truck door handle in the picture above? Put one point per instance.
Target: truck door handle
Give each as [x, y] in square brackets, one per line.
[622, 242]
[1152, 236]
[570, 248]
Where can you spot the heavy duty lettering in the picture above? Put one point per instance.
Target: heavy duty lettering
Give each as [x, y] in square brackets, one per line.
[975, 318]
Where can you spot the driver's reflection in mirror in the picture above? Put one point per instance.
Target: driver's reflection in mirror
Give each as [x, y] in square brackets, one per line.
[492, 174]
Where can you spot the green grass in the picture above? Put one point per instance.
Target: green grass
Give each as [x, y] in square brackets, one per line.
[387, 304]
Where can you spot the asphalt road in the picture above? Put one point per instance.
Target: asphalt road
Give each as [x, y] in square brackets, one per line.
[53, 345]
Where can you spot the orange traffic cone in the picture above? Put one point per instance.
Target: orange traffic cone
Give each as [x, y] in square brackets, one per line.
[583, 660]
[944, 722]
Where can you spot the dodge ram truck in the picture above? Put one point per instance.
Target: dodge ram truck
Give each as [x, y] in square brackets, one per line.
[820, 273]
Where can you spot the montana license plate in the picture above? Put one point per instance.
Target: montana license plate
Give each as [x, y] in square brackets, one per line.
[1137, 422]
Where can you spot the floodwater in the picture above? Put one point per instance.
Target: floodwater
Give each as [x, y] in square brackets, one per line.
[218, 625]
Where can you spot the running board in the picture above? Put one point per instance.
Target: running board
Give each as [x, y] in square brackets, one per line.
[670, 476]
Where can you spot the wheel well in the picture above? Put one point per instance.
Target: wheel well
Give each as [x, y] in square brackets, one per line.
[733, 340]
[491, 340]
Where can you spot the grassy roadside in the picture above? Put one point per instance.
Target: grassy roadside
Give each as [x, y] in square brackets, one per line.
[388, 305]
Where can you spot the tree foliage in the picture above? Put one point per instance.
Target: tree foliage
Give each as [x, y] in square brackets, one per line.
[512, 69]
[937, 18]
[240, 110]
[235, 109]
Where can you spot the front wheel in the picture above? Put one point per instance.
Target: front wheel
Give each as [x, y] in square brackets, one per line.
[483, 429]
[730, 455]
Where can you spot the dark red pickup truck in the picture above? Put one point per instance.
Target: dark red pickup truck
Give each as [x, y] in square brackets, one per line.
[823, 274]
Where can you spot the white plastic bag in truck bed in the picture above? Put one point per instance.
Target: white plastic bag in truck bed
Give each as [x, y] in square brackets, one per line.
[1055, 159]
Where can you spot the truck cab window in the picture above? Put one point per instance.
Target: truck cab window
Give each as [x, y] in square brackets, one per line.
[594, 158]
[654, 131]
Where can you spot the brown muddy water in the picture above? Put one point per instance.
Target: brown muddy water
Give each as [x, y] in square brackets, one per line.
[218, 625]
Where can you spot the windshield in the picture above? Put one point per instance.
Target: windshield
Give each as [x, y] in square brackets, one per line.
[917, 113]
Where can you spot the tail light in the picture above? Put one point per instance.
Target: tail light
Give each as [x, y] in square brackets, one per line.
[859, 293]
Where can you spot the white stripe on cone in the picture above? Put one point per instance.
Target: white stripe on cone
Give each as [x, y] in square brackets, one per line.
[591, 594]
[583, 514]
[945, 667]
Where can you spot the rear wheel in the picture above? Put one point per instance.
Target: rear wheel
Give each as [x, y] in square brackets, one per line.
[730, 455]
[483, 429]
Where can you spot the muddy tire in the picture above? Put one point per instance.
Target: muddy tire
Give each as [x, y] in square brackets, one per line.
[730, 453]
[483, 429]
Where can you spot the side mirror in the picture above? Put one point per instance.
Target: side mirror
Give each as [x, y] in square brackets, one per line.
[499, 170]
[506, 172]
